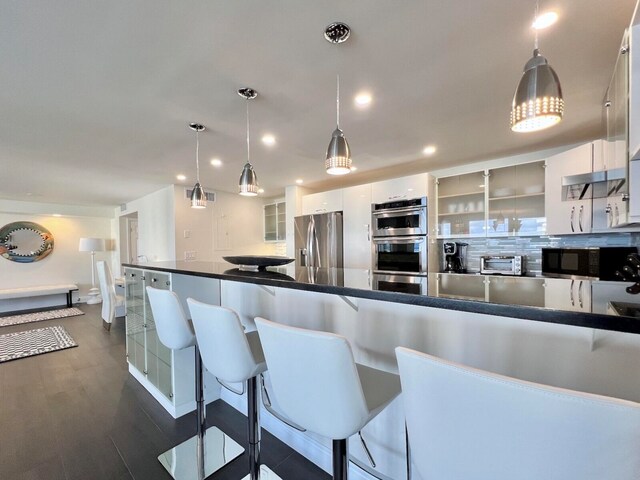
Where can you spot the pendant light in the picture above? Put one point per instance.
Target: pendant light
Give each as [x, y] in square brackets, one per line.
[338, 160]
[198, 197]
[537, 103]
[248, 184]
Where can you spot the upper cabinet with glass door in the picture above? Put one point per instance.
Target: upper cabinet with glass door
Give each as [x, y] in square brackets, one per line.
[275, 222]
[461, 205]
[516, 200]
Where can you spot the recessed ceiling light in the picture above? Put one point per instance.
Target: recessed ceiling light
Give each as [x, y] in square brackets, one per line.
[353, 168]
[363, 99]
[545, 20]
[269, 139]
[57, 215]
[181, 177]
[299, 181]
[429, 150]
[261, 190]
[216, 162]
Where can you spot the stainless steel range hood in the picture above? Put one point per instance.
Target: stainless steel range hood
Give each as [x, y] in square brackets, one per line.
[594, 185]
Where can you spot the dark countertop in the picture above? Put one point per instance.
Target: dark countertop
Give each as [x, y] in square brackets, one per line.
[357, 283]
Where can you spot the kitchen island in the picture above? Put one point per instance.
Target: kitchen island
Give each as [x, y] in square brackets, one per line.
[584, 351]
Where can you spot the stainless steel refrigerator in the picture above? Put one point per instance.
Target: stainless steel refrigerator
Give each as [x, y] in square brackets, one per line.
[318, 240]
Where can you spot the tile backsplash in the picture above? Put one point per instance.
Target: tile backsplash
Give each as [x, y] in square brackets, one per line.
[531, 247]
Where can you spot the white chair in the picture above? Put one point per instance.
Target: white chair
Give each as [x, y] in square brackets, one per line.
[110, 300]
[208, 451]
[319, 386]
[471, 424]
[233, 356]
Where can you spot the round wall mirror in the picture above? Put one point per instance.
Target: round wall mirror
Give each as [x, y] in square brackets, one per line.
[25, 242]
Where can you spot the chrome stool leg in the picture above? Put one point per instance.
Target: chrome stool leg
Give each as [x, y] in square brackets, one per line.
[256, 471]
[209, 451]
[340, 459]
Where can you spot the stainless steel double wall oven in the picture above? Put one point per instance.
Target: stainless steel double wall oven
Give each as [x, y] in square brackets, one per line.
[399, 246]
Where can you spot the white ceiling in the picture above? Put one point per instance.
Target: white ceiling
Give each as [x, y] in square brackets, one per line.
[96, 96]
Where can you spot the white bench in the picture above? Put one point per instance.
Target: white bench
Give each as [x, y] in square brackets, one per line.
[23, 292]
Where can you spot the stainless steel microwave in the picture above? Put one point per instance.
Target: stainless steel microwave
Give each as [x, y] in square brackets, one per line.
[595, 262]
[403, 217]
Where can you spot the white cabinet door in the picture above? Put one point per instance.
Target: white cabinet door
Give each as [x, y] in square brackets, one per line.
[567, 217]
[322, 202]
[356, 226]
[413, 186]
[566, 294]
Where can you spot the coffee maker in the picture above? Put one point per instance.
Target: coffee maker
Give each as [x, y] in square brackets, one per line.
[455, 257]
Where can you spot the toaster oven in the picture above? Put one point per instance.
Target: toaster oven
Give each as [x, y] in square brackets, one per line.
[502, 265]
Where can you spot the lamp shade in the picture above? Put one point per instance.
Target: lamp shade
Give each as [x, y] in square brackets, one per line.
[198, 197]
[248, 184]
[338, 160]
[537, 103]
[91, 245]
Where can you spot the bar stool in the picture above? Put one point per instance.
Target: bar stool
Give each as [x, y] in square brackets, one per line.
[233, 356]
[208, 451]
[319, 386]
[468, 423]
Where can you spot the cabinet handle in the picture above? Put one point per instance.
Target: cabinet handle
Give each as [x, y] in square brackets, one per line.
[616, 215]
[609, 216]
[368, 227]
[573, 211]
[580, 217]
[580, 293]
[167, 283]
[143, 277]
[573, 303]
[154, 280]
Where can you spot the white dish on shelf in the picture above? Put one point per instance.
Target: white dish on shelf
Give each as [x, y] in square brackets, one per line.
[531, 189]
[452, 208]
[503, 192]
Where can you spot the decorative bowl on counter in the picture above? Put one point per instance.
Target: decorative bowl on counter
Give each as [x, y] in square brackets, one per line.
[257, 262]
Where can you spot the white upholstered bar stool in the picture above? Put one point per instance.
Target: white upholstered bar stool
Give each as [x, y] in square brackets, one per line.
[319, 386]
[233, 356]
[471, 424]
[110, 300]
[210, 449]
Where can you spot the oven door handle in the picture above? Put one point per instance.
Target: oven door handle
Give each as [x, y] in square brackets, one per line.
[399, 210]
[400, 240]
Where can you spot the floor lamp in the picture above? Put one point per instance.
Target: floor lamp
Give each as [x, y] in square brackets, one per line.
[93, 245]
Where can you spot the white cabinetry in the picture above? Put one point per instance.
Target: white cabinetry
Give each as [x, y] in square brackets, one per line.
[566, 294]
[275, 222]
[413, 186]
[572, 216]
[322, 202]
[356, 226]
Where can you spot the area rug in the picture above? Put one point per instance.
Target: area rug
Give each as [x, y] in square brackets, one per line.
[39, 316]
[34, 342]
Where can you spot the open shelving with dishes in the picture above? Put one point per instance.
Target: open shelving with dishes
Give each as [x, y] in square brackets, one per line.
[504, 201]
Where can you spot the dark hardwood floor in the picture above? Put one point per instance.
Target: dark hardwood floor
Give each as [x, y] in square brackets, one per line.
[77, 414]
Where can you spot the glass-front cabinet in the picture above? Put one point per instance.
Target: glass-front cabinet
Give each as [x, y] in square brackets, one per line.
[461, 205]
[505, 201]
[516, 200]
[275, 222]
[145, 352]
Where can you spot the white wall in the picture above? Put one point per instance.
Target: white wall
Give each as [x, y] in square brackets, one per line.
[156, 224]
[232, 225]
[65, 264]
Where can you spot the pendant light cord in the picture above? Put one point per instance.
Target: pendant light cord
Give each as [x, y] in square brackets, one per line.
[248, 150]
[535, 18]
[197, 157]
[338, 100]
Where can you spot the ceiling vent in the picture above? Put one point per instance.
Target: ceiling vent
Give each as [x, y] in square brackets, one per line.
[211, 196]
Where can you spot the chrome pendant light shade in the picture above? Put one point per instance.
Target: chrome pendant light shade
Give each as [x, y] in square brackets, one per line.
[537, 103]
[198, 197]
[248, 184]
[338, 160]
